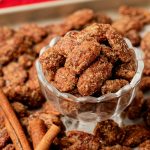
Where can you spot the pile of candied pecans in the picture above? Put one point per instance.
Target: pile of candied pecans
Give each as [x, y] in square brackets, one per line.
[18, 79]
[89, 60]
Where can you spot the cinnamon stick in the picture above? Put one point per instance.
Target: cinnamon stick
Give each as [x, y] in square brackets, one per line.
[37, 130]
[48, 138]
[13, 135]
[13, 123]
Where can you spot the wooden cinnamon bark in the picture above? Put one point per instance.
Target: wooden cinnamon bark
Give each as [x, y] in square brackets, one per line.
[13, 125]
[37, 130]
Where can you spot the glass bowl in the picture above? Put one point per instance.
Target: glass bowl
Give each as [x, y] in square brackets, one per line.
[83, 113]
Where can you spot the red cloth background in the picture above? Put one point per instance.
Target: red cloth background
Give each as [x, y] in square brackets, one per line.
[10, 3]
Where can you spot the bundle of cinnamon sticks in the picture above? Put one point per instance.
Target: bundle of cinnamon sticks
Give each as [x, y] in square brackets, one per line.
[41, 138]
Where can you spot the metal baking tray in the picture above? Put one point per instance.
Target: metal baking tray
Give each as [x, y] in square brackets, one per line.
[48, 12]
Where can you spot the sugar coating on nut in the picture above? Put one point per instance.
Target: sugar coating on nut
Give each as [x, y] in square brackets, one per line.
[111, 86]
[98, 31]
[142, 14]
[26, 60]
[125, 24]
[118, 44]
[145, 45]
[18, 74]
[145, 83]
[80, 140]
[135, 134]
[109, 53]
[83, 55]
[67, 43]
[145, 145]
[92, 79]
[6, 33]
[102, 18]
[134, 37]
[79, 18]
[109, 132]
[37, 48]
[51, 59]
[126, 70]
[35, 32]
[134, 110]
[65, 79]
[146, 70]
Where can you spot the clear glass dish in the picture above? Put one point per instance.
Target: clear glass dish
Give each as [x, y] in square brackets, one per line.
[83, 113]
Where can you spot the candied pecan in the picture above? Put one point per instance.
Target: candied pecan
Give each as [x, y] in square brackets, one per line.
[43, 43]
[109, 132]
[26, 60]
[145, 45]
[69, 108]
[134, 110]
[79, 18]
[142, 14]
[146, 70]
[109, 53]
[17, 46]
[67, 43]
[118, 45]
[95, 30]
[22, 42]
[65, 79]
[146, 109]
[58, 29]
[83, 55]
[49, 75]
[102, 18]
[9, 147]
[103, 32]
[32, 90]
[112, 86]
[125, 24]
[145, 145]
[6, 53]
[145, 83]
[135, 135]
[50, 59]
[77, 140]
[4, 137]
[35, 32]
[6, 33]
[20, 109]
[92, 79]
[130, 11]
[126, 70]
[134, 37]
[14, 74]
[116, 147]
[28, 93]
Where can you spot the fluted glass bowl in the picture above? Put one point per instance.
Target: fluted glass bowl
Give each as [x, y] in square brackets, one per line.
[83, 113]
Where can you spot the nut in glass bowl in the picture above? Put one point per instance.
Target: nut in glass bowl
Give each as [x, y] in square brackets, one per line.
[83, 113]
